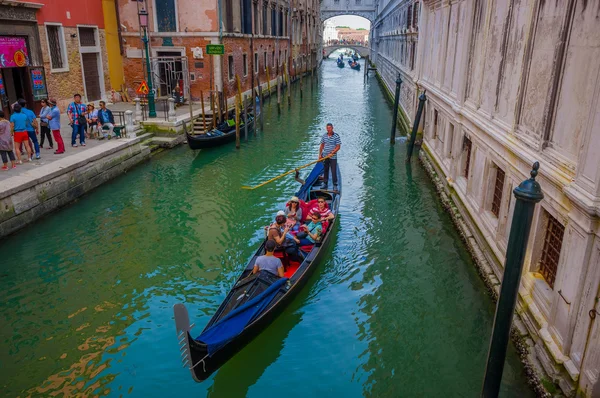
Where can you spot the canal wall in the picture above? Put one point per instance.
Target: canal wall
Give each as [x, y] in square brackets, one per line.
[29, 196]
[481, 254]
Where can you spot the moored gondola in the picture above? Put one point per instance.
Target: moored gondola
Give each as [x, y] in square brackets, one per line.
[219, 136]
[255, 299]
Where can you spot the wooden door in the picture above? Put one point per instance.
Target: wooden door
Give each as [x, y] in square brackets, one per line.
[91, 77]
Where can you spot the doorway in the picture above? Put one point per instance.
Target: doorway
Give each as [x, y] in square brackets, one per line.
[16, 85]
[170, 72]
[91, 76]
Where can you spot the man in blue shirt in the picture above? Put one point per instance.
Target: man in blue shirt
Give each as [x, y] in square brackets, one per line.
[32, 127]
[330, 145]
[105, 119]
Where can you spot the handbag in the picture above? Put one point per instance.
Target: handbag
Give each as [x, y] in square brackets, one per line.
[43, 124]
[301, 235]
[80, 118]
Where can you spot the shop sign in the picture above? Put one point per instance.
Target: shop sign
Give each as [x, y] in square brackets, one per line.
[215, 49]
[2, 90]
[13, 52]
[38, 82]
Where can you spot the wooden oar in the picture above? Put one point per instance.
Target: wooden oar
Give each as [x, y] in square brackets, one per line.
[287, 172]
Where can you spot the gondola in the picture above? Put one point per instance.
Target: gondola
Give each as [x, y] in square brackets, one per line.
[255, 299]
[355, 57]
[219, 136]
[340, 63]
[354, 65]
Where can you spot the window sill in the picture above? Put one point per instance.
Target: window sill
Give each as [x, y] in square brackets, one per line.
[59, 70]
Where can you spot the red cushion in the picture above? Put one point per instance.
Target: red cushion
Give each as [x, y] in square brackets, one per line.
[306, 248]
[308, 206]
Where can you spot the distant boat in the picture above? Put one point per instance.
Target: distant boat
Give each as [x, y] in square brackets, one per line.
[354, 65]
[355, 57]
[340, 63]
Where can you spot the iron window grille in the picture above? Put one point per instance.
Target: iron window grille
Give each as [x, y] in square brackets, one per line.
[551, 251]
[56, 52]
[498, 188]
[87, 37]
[467, 146]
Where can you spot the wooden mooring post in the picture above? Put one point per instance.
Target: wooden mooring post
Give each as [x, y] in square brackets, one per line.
[261, 107]
[245, 110]
[203, 117]
[219, 100]
[237, 125]
[268, 82]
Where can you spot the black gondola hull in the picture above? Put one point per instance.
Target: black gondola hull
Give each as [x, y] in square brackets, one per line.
[200, 141]
[205, 365]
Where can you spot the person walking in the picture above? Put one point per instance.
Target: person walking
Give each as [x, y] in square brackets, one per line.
[76, 112]
[44, 129]
[6, 143]
[18, 121]
[54, 123]
[105, 119]
[32, 127]
[330, 145]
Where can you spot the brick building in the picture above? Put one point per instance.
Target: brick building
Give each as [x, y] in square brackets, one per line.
[52, 48]
[255, 34]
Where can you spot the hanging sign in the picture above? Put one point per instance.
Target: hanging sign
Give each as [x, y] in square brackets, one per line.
[13, 52]
[143, 88]
[38, 83]
[215, 49]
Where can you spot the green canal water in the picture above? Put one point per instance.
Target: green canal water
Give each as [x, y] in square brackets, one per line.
[397, 309]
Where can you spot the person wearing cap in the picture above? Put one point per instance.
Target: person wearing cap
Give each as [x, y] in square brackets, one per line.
[54, 124]
[293, 212]
[268, 262]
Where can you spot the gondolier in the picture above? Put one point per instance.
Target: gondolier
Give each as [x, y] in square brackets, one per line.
[330, 145]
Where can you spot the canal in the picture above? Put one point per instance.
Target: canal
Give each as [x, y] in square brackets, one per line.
[398, 309]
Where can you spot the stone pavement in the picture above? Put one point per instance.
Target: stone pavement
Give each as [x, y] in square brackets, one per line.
[47, 156]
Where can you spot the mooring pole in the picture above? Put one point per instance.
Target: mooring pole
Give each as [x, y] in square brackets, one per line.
[528, 193]
[395, 115]
[413, 134]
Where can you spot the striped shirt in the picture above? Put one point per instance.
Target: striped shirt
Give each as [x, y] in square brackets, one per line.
[330, 142]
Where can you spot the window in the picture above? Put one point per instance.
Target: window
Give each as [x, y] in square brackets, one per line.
[255, 63]
[245, 58]
[498, 188]
[230, 67]
[449, 140]
[166, 20]
[467, 145]
[265, 29]
[246, 16]
[551, 251]
[358, 2]
[280, 26]
[87, 37]
[416, 17]
[265, 63]
[409, 15]
[56, 44]
[229, 15]
[273, 59]
[273, 22]
[255, 14]
[435, 124]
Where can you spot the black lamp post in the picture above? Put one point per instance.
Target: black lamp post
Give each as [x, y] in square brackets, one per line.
[143, 17]
[396, 103]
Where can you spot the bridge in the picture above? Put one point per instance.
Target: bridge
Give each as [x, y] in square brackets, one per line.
[361, 8]
[360, 49]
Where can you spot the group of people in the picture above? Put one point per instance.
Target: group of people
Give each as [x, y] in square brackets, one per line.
[18, 133]
[288, 233]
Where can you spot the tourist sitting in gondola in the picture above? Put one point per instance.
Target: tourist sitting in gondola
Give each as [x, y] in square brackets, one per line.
[322, 209]
[312, 231]
[279, 232]
[293, 213]
[268, 262]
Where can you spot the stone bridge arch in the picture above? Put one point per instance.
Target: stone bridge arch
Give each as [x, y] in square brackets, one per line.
[360, 50]
[331, 8]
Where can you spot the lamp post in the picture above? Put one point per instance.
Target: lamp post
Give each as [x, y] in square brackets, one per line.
[143, 16]
[396, 103]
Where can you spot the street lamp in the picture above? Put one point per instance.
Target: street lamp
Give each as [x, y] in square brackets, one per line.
[143, 17]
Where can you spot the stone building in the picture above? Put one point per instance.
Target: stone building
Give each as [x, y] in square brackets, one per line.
[353, 35]
[509, 83]
[329, 32]
[394, 41]
[52, 48]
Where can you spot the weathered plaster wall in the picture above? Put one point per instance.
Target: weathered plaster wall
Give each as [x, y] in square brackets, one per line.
[519, 80]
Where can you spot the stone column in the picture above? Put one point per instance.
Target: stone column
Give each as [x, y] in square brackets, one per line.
[172, 113]
[129, 126]
[138, 110]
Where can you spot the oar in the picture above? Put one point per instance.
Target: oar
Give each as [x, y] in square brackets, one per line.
[286, 173]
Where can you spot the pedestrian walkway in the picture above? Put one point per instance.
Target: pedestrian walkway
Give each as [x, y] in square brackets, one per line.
[47, 156]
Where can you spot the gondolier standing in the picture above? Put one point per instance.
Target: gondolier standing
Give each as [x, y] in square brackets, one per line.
[330, 145]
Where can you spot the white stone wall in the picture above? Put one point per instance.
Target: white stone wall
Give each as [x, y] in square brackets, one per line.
[521, 80]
